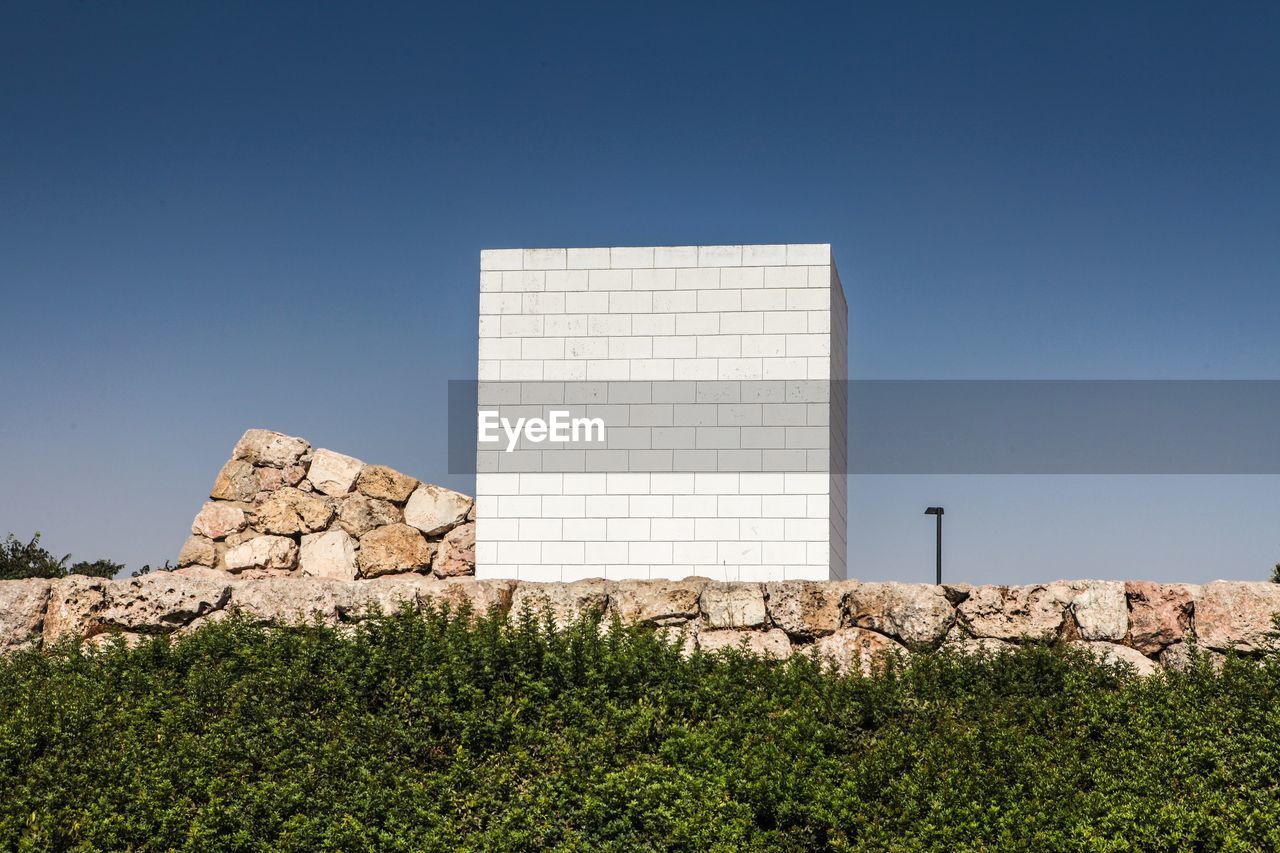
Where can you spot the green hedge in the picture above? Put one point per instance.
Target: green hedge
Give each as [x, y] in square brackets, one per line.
[441, 733]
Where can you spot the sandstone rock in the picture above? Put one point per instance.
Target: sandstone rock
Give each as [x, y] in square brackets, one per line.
[1159, 614]
[1101, 610]
[237, 481]
[1034, 612]
[333, 473]
[270, 479]
[456, 556]
[435, 510]
[288, 512]
[358, 514]
[566, 602]
[22, 607]
[909, 613]
[1115, 653]
[733, 605]
[273, 449]
[217, 520]
[807, 609]
[197, 551]
[291, 600]
[656, 602]
[772, 643]
[74, 602]
[275, 553]
[331, 554]
[857, 650]
[394, 548]
[421, 592]
[157, 603]
[1236, 615]
[386, 484]
[1182, 657]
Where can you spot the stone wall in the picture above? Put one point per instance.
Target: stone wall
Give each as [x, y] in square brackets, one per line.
[1142, 623]
[278, 507]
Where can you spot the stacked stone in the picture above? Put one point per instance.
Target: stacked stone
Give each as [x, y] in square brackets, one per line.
[280, 507]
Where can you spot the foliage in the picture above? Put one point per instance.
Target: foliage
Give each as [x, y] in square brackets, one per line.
[32, 560]
[1275, 574]
[443, 733]
[97, 569]
[146, 570]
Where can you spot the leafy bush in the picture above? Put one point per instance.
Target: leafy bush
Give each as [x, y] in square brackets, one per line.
[32, 560]
[442, 733]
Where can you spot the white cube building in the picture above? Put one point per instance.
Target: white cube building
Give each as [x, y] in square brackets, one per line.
[717, 377]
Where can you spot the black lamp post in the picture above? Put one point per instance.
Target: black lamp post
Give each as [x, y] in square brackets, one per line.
[938, 511]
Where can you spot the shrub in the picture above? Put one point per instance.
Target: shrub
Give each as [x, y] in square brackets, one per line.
[444, 733]
[31, 560]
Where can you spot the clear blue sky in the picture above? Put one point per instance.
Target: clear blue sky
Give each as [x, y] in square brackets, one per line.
[223, 215]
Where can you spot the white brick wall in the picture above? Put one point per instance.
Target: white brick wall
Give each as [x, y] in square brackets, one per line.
[725, 451]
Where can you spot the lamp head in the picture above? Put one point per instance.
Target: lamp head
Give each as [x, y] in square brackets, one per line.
[934, 510]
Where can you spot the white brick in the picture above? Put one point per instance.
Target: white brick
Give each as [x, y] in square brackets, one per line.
[583, 484]
[803, 483]
[742, 322]
[808, 254]
[542, 303]
[544, 259]
[499, 529]
[653, 370]
[519, 552]
[564, 370]
[676, 300]
[694, 506]
[540, 529]
[764, 346]
[808, 345]
[719, 256]
[499, 303]
[609, 324]
[719, 346]
[739, 368]
[654, 324]
[786, 277]
[521, 325]
[738, 506]
[541, 484]
[769, 299]
[651, 506]
[785, 322]
[679, 483]
[672, 529]
[627, 483]
[629, 529]
[675, 256]
[489, 326]
[742, 277]
[757, 483]
[501, 259]
[786, 368]
[650, 552]
[608, 370]
[689, 369]
[719, 300]
[676, 346]
[630, 257]
[694, 552]
[585, 529]
[630, 347]
[497, 484]
[565, 325]
[589, 302]
[524, 282]
[564, 506]
[764, 256]
[609, 280]
[738, 553]
[819, 276]
[630, 302]
[709, 483]
[820, 322]
[819, 367]
[491, 348]
[697, 324]
[712, 529]
[520, 371]
[596, 347]
[490, 282]
[588, 259]
[570, 553]
[606, 552]
[539, 573]
[698, 279]
[785, 553]
[809, 299]
[660, 280]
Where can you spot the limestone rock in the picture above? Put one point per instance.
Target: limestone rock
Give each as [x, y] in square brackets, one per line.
[435, 510]
[385, 484]
[1236, 615]
[1115, 653]
[289, 511]
[1182, 657]
[331, 554]
[389, 592]
[158, 603]
[358, 514]
[857, 650]
[22, 607]
[457, 554]
[333, 473]
[198, 551]
[656, 602]
[807, 609]
[237, 481]
[270, 479]
[910, 613]
[1034, 612]
[273, 449]
[566, 602]
[274, 553]
[291, 600]
[772, 643]
[217, 520]
[733, 605]
[74, 602]
[1101, 610]
[394, 548]
[1159, 614]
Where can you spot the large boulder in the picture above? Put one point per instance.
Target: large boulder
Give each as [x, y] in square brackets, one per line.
[218, 520]
[74, 602]
[386, 484]
[457, 553]
[198, 551]
[436, 510]
[807, 609]
[331, 554]
[914, 614]
[857, 650]
[271, 553]
[333, 473]
[270, 479]
[289, 512]
[773, 643]
[566, 603]
[291, 600]
[158, 603]
[394, 548]
[655, 602]
[358, 514]
[733, 605]
[1111, 653]
[22, 609]
[390, 592]
[237, 481]
[1236, 615]
[1101, 610]
[1159, 614]
[1034, 612]
[273, 449]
